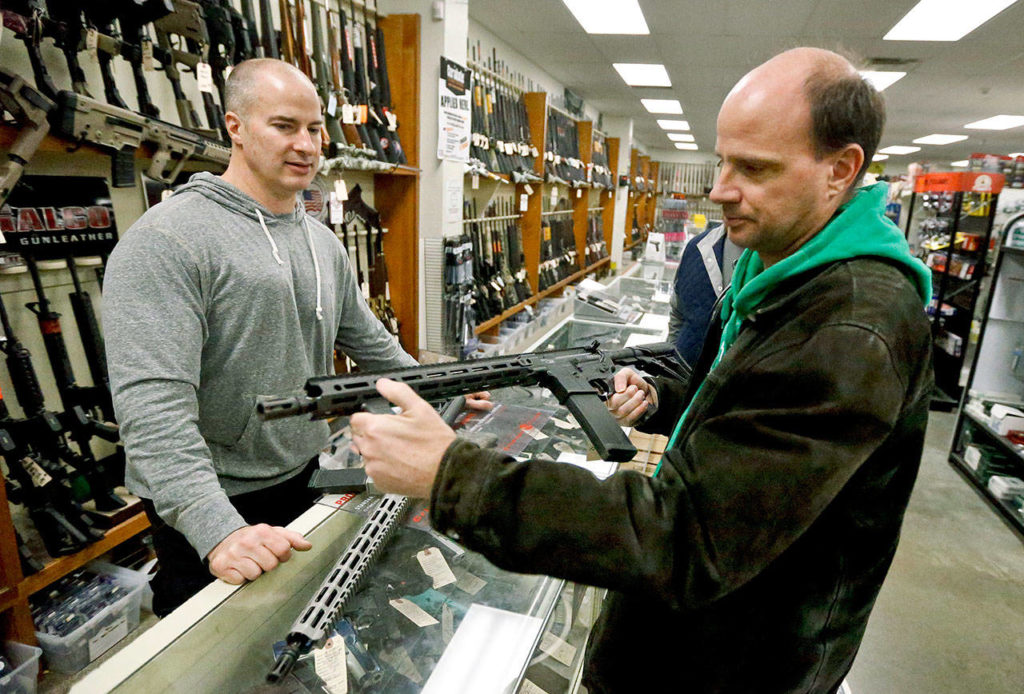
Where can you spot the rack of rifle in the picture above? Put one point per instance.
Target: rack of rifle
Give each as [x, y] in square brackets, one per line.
[600, 172]
[197, 42]
[562, 152]
[559, 258]
[45, 473]
[485, 272]
[500, 140]
[596, 248]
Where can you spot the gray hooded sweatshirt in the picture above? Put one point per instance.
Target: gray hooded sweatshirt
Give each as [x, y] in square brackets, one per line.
[210, 300]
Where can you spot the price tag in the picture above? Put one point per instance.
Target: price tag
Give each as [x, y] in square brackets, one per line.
[166, 193]
[579, 193]
[558, 649]
[340, 190]
[468, 582]
[610, 195]
[39, 476]
[433, 564]
[392, 121]
[533, 432]
[475, 182]
[364, 113]
[562, 424]
[331, 668]
[554, 195]
[413, 612]
[147, 55]
[558, 158]
[92, 44]
[524, 202]
[348, 114]
[204, 76]
[528, 188]
[337, 209]
[332, 104]
[447, 623]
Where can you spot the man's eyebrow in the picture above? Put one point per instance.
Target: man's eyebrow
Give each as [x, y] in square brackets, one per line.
[294, 121]
[761, 162]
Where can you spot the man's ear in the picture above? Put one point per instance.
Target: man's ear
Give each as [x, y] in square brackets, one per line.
[234, 125]
[846, 165]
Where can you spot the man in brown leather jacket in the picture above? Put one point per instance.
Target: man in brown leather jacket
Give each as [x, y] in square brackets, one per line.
[751, 562]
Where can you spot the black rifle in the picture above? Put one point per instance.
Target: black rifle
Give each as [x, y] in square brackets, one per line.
[355, 38]
[132, 18]
[221, 51]
[247, 38]
[379, 89]
[322, 79]
[268, 34]
[188, 24]
[580, 378]
[92, 342]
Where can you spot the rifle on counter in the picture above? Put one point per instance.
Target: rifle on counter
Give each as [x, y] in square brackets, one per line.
[579, 378]
[29, 109]
[79, 118]
[325, 607]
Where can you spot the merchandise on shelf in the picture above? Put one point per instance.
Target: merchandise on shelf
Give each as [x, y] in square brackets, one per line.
[562, 151]
[558, 255]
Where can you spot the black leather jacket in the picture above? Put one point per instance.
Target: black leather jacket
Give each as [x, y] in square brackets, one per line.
[751, 563]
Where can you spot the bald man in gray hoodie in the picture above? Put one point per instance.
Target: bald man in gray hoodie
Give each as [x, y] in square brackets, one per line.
[226, 291]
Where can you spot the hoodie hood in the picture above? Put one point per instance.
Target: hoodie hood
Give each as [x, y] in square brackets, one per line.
[234, 199]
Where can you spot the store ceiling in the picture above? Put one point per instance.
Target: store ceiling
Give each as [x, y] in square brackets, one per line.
[707, 45]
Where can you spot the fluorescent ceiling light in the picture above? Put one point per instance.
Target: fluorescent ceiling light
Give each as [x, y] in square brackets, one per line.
[880, 157]
[963, 163]
[1016, 154]
[937, 139]
[945, 20]
[1002, 122]
[609, 16]
[663, 105]
[643, 74]
[899, 149]
[880, 79]
[686, 145]
[681, 137]
[674, 124]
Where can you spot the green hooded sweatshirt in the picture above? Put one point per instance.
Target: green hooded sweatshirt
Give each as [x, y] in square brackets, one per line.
[858, 229]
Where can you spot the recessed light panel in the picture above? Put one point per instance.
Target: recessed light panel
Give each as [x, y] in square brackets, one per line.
[663, 105]
[643, 74]
[1002, 122]
[674, 124]
[880, 79]
[880, 157]
[945, 20]
[609, 16]
[686, 145]
[899, 149]
[938, 139]
[681, 137]
[963, 163]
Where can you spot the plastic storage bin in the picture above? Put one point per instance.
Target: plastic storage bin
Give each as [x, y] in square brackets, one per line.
[73, 652]
[25, 659]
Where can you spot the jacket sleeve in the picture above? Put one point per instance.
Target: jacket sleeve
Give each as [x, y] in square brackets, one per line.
[154, 331]
[360, 335]
[748, 481]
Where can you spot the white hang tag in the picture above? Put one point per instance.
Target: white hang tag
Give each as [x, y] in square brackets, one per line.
[340, 190]
[554, 195]
[92, 44]
[558, 158]
[348, 114]
[579, 192]
[337, 209]
[524, 202]
[562, 424]
[611, 194]
[528, 188]
[332, 104]
[558, 649]
[392, 121]
[40, 478]
[400, 662]
[331, 667]
[468, 582]
[204, 76]
[447, 623]
[147, 55]
[167, 192]
[533, 432]
[433, 564]
[475, 182]
[413, 612]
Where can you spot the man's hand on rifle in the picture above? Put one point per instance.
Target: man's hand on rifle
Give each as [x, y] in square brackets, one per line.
[479, 401]
[253, 550]
[402, 451]
[633, 397]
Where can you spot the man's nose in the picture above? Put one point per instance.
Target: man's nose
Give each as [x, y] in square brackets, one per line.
[724, 191]
[306, 142]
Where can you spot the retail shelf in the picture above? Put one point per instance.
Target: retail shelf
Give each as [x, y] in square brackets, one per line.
[1010, 515]
[1004, 443]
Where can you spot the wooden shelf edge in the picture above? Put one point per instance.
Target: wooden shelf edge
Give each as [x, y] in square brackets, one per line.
[594, 266]
[8, 597]
[64, 565]
[629, 246]
[543, 294]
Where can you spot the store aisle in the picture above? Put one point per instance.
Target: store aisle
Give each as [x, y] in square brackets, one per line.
[950, 617]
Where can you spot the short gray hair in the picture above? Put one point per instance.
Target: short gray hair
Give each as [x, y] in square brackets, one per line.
[242, 87]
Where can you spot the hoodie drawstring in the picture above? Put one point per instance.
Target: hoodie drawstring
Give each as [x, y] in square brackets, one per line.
[316, 270]
[312, 252]
[277, 256]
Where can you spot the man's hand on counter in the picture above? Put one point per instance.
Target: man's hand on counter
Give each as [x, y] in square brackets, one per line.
[633, 396]
[402, 452]
[253, 550]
